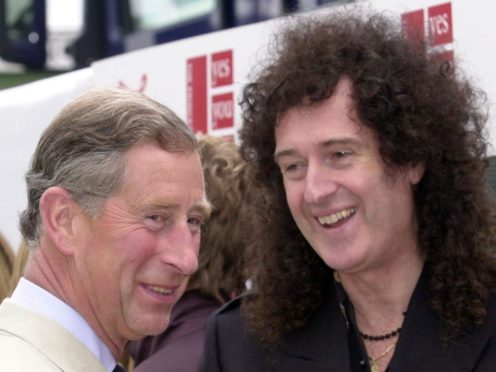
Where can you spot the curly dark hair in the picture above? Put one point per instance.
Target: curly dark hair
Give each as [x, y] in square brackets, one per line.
[424, 112]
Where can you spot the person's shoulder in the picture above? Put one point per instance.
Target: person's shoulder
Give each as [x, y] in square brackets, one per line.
[17, 354]
[492, 305]
[231, 343]
[490, 323]
[233, 307]
[229, 318]
[487, 332]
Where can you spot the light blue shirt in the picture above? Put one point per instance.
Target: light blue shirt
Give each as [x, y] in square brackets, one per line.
[38, 300]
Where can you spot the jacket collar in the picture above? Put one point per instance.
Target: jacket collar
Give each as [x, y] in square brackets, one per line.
[420, 348]
[322, 344]
[48, 337]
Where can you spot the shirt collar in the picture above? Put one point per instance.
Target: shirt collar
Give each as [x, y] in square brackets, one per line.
[38, 300]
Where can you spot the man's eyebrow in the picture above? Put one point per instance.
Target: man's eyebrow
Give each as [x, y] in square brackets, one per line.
[204, 207]
[341, 141]
[283, 153]
[150, 206]
[324, 144]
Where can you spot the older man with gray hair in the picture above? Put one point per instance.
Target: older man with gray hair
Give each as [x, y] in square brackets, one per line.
[115, 204]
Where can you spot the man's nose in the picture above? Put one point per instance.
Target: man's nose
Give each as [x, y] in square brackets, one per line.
[319, 183]
[179, 248]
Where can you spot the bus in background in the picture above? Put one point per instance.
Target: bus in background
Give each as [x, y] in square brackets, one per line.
[63, 35]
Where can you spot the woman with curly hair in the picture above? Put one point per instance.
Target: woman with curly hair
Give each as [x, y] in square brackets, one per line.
[380, 250]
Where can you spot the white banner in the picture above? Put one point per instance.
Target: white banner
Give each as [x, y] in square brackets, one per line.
[201, 79]
[26, 111]
[182, 74]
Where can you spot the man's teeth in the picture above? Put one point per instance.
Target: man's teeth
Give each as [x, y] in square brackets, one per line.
[335, 217]
[161, 290]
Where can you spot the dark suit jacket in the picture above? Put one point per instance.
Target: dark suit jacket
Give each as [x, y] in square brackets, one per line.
[322, 346]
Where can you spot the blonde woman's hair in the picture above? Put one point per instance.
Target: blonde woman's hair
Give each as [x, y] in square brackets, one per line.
[230, 188]
[6, 266]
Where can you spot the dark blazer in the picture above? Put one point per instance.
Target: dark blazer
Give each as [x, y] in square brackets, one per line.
[322, 344]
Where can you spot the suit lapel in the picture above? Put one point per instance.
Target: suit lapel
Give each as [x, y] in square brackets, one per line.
[321, 345]
[419, 347]
[49, 338]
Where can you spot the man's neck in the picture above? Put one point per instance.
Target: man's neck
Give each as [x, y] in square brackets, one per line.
[380, 297]
[52, 275]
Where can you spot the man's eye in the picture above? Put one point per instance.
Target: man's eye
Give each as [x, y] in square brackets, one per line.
[195, 224]
[155, 220]
[293, 171]
[341, 154]
[195, 221]
[338, 158]
[291, 167]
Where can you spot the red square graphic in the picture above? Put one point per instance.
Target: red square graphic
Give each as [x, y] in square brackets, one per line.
[223, 111]
[196, 100]
[448, 59]
[412, 24]
[222, 68]
[440, 24]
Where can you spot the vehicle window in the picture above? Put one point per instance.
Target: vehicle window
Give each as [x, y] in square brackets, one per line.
[154, 14]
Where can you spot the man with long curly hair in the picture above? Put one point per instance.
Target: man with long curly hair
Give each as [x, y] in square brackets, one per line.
[379, 254]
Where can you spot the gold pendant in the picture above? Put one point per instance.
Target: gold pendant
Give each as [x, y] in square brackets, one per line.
[373, 365]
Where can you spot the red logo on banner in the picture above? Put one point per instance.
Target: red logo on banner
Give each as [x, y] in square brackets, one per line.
[412, 24]
[439, 29]
[197, 93]
[222, 68]
[440, 24]
[447, 56]
[200, 94]
[223, 111]
[141, 88]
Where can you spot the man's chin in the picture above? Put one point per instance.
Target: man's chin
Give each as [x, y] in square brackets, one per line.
[150, 329]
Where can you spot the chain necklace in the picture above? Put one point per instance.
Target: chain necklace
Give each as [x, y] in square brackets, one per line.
[373, 361]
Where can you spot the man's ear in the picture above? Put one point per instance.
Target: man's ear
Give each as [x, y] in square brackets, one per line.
[57, 210]
[415, 173]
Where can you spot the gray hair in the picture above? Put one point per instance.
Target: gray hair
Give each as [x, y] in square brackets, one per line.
[82, 149]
